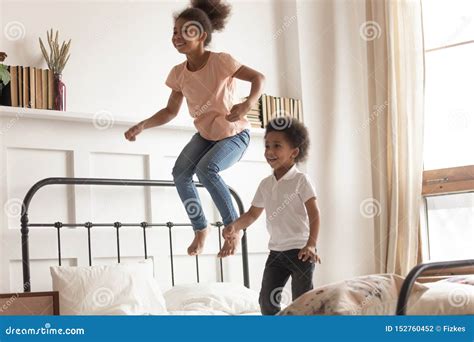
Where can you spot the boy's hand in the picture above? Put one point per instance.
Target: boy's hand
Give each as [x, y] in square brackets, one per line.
[309, 253]
[229, 232]
[231, 236]
[134, 131]
[238, 111]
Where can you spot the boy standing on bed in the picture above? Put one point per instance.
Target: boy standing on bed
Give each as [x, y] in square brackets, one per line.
[289, 200]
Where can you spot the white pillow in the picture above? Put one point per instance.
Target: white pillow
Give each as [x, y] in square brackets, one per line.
[446, 298]
[233, 299]
[119, 289]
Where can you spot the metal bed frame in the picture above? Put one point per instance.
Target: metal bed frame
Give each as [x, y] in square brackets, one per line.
[407, 286]
[418, 271]
[117, 225]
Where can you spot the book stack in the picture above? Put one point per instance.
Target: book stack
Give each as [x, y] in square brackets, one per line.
[270, 107]
[254, 116]
[273, 107]
[29, 87]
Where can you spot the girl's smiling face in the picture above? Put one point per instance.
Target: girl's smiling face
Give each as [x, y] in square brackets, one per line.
[279, 152]
[187, 36]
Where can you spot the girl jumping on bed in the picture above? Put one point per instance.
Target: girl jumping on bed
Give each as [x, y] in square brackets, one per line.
[207, 80]
[289, 200]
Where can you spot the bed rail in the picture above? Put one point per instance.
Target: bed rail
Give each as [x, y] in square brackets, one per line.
[418, 271]
[117, 225]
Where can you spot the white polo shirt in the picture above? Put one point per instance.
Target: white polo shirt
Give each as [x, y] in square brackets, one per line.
[283, 200]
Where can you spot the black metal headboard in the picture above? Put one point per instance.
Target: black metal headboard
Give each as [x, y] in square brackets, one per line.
[117, 225]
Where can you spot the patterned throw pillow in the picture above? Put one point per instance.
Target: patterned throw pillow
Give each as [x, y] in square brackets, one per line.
[365, 295]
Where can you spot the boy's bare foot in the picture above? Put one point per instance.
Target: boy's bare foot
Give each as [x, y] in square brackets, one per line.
[230, 246]
[195, 248]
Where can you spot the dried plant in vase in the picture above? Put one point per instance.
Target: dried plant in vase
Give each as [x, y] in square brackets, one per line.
[4, 74]
[56, 60]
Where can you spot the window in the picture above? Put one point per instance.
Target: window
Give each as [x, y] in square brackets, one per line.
[448, 179]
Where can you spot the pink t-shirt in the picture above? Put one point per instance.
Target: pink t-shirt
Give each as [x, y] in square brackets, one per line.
[209, 94]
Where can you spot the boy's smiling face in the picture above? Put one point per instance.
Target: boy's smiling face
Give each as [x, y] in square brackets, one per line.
[279, 152]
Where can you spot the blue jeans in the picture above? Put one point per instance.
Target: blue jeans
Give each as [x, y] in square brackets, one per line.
[206, 159]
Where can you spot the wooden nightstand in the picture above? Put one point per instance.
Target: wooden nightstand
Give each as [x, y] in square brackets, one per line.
[29, 303]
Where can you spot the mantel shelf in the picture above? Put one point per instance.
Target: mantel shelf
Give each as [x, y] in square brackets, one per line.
[43, 114]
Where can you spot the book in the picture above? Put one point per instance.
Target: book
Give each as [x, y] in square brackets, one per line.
[14, 86]
[32, 85]
[50, 89]
[39, 89]
[263, 108]
[26, 87]
[278, 108]
[44, 88]
[20, 86]
[270, 107]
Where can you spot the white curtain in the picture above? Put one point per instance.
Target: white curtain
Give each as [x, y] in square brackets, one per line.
[394, 36]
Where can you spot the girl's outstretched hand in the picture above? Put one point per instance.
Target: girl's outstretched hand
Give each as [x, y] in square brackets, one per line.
[238, 111]
[309, 253]
[133, 131]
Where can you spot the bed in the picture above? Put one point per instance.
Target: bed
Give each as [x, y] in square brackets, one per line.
[130, 289]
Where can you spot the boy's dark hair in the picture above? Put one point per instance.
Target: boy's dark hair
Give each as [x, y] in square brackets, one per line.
[295, 132]
[206, 16]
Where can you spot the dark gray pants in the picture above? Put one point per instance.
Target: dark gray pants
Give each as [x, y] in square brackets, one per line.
[278, 269]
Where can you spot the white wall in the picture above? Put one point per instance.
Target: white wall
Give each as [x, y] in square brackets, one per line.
[121, 51]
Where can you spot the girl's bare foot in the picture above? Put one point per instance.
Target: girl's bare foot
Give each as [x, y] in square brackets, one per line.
[230, 246]
[195, 248]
